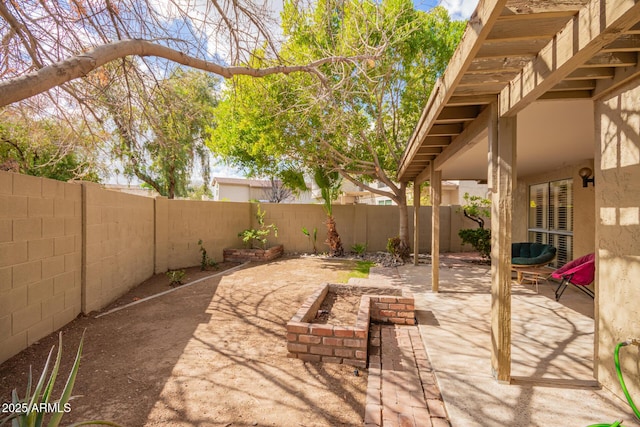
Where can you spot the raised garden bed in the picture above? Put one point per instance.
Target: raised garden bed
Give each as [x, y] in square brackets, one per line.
[260, 255]
[310, 338]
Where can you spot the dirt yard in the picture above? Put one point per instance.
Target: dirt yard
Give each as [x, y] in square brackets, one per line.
[210, 354]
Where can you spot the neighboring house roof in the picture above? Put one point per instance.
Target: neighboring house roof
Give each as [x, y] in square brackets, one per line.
[513, 53]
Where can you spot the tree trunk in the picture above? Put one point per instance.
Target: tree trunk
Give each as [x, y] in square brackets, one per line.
[333, 238]
[403, 232]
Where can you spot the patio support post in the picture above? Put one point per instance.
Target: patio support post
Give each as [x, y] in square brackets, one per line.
[436, 197]
[502, 154]
[416, 221]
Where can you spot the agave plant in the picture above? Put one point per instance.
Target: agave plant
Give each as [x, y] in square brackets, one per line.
[31, 411]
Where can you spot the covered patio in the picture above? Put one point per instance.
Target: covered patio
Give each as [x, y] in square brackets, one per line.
[538, 96]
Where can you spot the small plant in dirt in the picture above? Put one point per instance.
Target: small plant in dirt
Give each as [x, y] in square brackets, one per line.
[175, 277]
[397, 249]
[477, 208]
[359, 249]
[256, 238]
[206, 262]
[313, 237]
[38, 403]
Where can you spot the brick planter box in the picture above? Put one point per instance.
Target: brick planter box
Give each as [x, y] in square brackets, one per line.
[242, 255]
[346, 344]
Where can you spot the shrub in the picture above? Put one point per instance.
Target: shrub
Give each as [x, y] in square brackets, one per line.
[206, 261]
[175, 277]
[479, 238]
[257, 237]
[359, 248]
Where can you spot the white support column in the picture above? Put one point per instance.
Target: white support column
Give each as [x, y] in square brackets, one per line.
[416, 221]
[502, 160]
[436, 197]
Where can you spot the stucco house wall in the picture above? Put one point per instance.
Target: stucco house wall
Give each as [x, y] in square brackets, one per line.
[617, 201]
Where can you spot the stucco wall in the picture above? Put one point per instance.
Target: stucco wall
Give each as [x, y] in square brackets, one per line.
[618, 229]
[40, 258]
[119, 244]
[583, 206]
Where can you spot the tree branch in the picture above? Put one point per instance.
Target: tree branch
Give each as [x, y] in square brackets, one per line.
[19, 88]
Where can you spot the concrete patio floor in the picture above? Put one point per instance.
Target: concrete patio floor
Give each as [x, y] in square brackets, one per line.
[552, 350]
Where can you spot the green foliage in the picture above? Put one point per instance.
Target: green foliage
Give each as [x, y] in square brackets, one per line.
[359, 248]
[476, 206]
[257, 237]
[206, 262]
[397, 248]
[361, 271]
[46, 148]
[354, 118]
[175, 277]
[313, 237]
[479, 238]
[329, 183]
[32, 412]
[160, 136]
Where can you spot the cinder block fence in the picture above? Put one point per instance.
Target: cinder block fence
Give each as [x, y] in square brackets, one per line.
[71, 248]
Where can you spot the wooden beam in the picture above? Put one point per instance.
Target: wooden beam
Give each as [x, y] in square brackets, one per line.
[480, 79]
[490, 65]
[612, 59]
[625, 43]
[480, 90]
[424, 175]
[478, 28]
[416, 222]
[521, 7]
[470, 100]
[568, 94]
[445, 130]
[532, 29]
[436, 141]
[574, 85]
[465, 140]
[468, 112]
[502, 160]
[591, 73]
[511, 48]
[621, 77]
[436, 198]
[598, 24]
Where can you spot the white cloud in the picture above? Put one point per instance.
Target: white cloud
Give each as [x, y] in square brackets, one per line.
[459, 9]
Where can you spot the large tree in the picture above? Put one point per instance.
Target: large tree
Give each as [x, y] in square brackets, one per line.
[355, 118]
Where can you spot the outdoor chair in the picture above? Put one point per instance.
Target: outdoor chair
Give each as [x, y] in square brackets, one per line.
[580, 272]
[526, 257]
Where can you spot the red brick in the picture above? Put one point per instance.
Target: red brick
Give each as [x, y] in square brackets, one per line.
[406, 300]
[397, 320]
[397, 306]
[343, 352]
[391, 300]
[336, 342]
[297, 327]
[410, 307]
[387, 313]
[297, 348]
[360, 334]
[330, 359]
[381, 305]
[410, 321]
[325, 351]
[310, 339]
[436, 408]
[321, 330]
[405, 314]
[292, 337]
[354, 343]
[342, 332]
[356, 363]
[309, 357]
[361, 354]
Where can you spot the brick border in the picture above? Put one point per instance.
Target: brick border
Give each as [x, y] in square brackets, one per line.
[260, 255]
[312, 342]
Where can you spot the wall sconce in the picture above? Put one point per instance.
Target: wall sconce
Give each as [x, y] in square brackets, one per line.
[585, 173]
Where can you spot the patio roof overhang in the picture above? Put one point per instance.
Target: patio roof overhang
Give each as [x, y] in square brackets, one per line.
[515, 52]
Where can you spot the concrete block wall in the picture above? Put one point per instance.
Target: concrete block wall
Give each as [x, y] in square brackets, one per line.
[40, 258]
[120, 244]
[216, 223]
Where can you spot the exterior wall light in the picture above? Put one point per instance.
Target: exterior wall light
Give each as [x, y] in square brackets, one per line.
[585, 173]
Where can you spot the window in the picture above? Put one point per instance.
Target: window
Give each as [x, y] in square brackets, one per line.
[551, 217]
